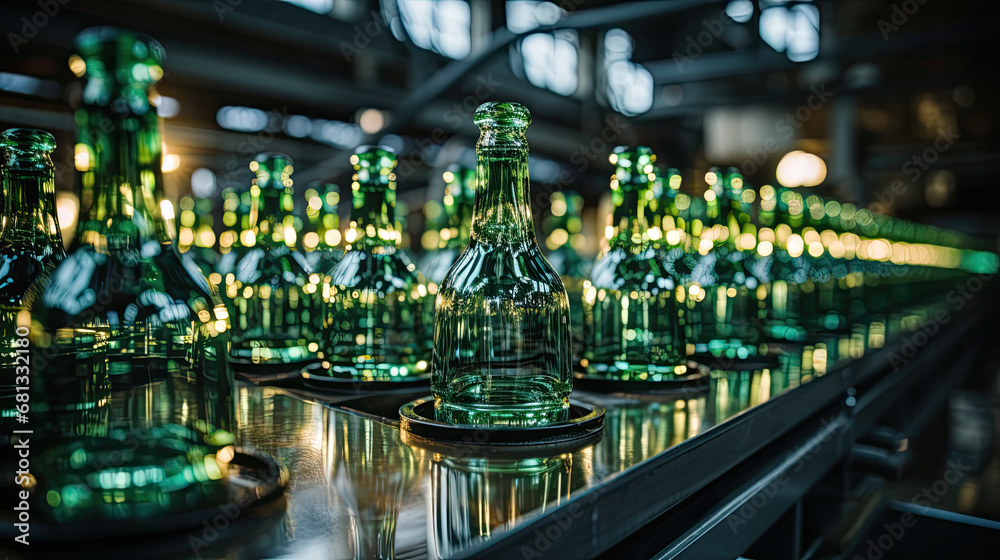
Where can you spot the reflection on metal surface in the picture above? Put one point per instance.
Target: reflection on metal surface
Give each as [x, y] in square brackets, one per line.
[473, 499]
[372, 470]
[151, 451]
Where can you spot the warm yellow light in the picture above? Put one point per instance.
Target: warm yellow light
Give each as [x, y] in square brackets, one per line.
[166, 210]
[171, 162]
[795, 245]
[816, 249]
[673, 237]
[81, 157]
[206, 238]
[371, 121]
[800, 169]
[77, 66]
[67, 210]
[765, 248]
[705, 246]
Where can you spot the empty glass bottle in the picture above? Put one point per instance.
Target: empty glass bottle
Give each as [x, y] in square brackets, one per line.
[375, 328]
[30, 240]
[459, 195]
[502, 341]
[633, 327]
[125, 286]
[726, 310]
[274, 298]
[30, 247]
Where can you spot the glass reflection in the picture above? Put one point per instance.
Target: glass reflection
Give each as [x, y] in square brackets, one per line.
[152, 451]
[371, 472]
[473, 499]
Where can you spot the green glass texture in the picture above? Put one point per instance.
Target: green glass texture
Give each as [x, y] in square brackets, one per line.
[375, 328]
[327, 252]
[125, 284]
[459, 197]
[502, 339]
[202, 249]
[633, 320]
[274, 298]
[30, 240]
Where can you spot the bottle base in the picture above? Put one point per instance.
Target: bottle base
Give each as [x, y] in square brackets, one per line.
[525, 415]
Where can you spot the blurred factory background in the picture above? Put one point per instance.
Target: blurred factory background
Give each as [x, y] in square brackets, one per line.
[889, 104]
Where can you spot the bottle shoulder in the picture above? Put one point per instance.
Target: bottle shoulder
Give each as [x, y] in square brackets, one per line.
[502, 268]
[383, 271]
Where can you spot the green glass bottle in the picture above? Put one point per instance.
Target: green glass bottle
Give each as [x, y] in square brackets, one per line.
[633, 320]
[502, 339]
[275, 300]
[726, 309]
[30, 240]
[30, 247]
[459, 196]
[125, 286]
[375, 328]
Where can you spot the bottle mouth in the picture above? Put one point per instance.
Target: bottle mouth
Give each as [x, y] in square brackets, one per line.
[373, 156]
[502, 115]
[272, 169]
[28, 140]
[95, 40]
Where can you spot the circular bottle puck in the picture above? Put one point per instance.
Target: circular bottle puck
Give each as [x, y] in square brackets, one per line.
[417, 418]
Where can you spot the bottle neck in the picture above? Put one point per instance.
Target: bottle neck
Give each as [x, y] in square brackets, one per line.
[265, 217]
[629, 218]
[124, 169]
[29, 209]
[373, 214]
[501, 213]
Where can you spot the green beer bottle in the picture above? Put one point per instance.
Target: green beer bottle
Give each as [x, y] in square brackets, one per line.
[502, 342]
[30, 248]
[633, 328]
[125, 287]
[275, 300]
[30, 240]
[375, 328]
